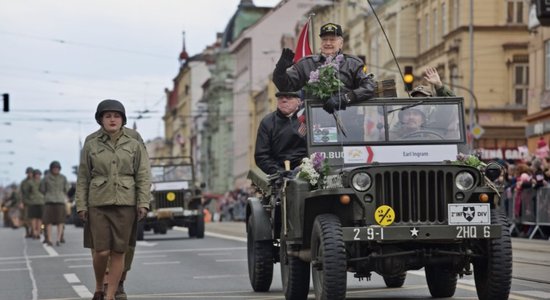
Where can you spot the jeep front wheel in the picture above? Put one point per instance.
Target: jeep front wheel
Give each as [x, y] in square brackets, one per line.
[260, 260]
[294, 275]
[328, 258]
[441, 281]
[493, 270]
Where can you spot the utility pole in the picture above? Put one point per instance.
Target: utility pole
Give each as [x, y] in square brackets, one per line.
[471, 111]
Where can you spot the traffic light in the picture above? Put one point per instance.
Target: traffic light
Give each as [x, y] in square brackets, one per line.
[408, 78]
[6, 98]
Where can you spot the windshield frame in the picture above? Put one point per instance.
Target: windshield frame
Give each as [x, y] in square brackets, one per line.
[389, 104]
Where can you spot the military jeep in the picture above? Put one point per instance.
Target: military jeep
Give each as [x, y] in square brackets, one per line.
[395, 198]
[175, 199]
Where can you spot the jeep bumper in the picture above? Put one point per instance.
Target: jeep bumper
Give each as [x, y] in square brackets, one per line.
[421, 232]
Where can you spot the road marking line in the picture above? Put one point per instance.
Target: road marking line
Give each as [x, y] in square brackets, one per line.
[78, 259]
[219, 276]
[13, 262]
[218, 235]
[161, 263]
[82, 291]
[231, 260]
[16, 269]
[31, 274]
[213, 254]
[71, 278]
[145, 244]
[538, 294]
[79, 266]
[51, 251]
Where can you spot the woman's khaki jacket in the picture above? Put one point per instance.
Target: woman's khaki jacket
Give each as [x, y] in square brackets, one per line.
[110, 174]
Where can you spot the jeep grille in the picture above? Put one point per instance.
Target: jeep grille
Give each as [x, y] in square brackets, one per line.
[417, 196]
[162, 202]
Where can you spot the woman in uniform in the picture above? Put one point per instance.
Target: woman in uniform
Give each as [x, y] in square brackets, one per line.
[112, 193]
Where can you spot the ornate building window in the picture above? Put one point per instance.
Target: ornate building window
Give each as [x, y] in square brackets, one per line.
[427, 24]
[375, 54]
[514, 11]
[443, 19]
[436, 26]
[456, 14]
[521, 83]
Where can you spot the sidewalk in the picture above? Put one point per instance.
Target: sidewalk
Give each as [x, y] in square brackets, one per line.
[237, 229]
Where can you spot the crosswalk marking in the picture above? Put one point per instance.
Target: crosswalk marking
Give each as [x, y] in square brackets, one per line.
[51, 251]
[82, 291]
[71, 278]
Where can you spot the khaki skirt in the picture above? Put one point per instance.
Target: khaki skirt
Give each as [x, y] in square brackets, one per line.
[34, 211]
[111, 227]
[54, 213]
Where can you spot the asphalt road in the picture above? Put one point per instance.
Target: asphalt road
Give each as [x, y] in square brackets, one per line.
[173, 266]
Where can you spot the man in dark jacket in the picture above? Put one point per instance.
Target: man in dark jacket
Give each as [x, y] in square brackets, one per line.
[281, 135]
[351, 70]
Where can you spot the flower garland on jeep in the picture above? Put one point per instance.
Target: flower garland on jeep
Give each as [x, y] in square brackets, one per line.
[470, 160]
[324, 81]
[314, 169]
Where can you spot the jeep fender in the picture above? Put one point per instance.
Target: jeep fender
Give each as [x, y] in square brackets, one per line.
[261, 223]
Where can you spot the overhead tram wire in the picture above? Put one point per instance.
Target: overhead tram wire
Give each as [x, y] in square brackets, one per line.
[389, 44]
[86, 45]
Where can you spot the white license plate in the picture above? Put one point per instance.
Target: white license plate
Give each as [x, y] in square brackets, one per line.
[469, 213]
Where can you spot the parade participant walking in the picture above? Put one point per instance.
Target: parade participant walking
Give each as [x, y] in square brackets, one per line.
[120, 294]
[280, 137]
[358, 86]
[112, 193]
[24, 188]
[36, 204]
[54, 186]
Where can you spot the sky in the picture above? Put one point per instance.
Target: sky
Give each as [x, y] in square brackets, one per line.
[60, 58]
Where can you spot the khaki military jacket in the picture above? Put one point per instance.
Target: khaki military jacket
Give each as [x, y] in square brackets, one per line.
[35, 196]
[110, 174]
[54, 188]
[25, 188]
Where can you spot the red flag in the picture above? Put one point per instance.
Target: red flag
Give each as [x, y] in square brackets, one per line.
[302, 47]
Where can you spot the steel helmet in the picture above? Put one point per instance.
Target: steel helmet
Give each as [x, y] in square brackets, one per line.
[55, 164]
[110, 105]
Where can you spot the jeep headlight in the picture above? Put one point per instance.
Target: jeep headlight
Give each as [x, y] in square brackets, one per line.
[464, 181]
[187, 196]
[361, 181]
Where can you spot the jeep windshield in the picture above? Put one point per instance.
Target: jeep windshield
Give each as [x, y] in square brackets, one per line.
[171, 173]
[429, 127]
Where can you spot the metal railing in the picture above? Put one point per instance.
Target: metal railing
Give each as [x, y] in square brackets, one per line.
[529, 207]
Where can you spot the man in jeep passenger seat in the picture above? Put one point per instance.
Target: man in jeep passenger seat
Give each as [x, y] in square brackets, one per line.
[281, 135]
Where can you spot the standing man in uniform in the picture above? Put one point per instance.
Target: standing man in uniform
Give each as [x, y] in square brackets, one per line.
[24, 187]
[54, 186]
[358, 86]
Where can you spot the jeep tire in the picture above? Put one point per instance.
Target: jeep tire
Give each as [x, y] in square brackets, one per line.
[295, 275]
[396, 281]
[260, 260]
[196, 229]
[493, 270]
[328, 257]
[441, 281]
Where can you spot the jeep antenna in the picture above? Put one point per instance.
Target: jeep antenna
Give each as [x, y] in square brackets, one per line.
[389, 44]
